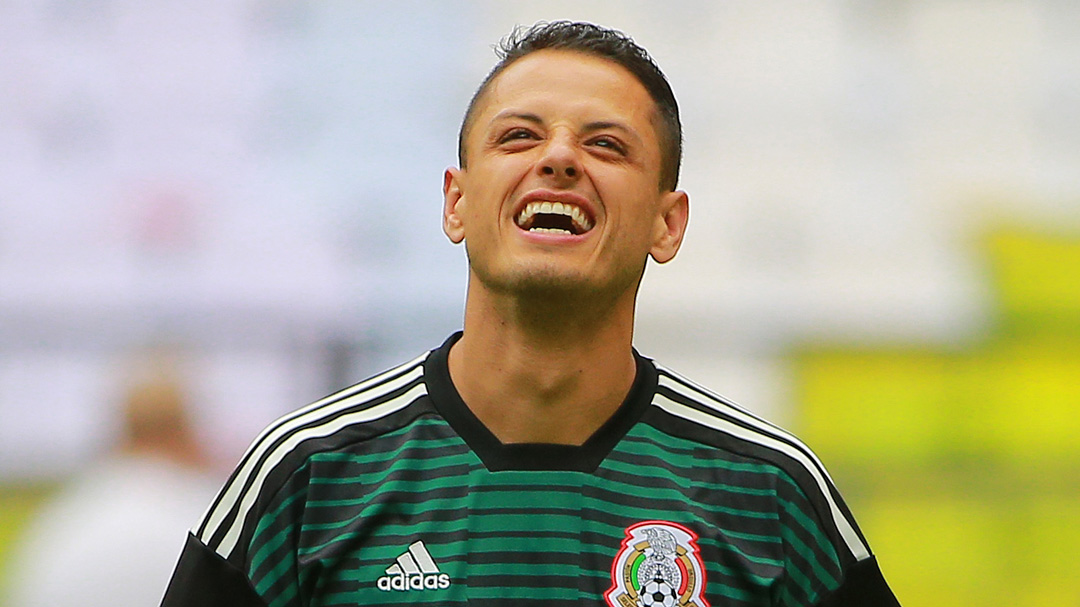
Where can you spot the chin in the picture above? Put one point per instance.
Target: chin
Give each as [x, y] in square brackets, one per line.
[540, 282]
[553, 282]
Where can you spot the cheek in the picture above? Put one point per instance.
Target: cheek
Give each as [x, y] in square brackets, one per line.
[481, 217]
[495, 182]
[635, 223]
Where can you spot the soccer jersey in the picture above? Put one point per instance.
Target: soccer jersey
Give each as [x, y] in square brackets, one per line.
[392, 492]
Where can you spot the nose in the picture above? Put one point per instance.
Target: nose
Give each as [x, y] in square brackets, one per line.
[560, 159]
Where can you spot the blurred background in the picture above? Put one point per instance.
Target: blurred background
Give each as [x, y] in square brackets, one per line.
[884, 251]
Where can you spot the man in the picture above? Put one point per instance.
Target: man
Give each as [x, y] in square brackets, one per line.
[108, 538]
[536, 458]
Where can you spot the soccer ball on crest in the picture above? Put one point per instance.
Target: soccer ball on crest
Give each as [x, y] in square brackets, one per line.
[658, 593]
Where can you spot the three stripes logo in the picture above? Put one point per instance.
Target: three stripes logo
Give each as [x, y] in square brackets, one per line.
[414, 570]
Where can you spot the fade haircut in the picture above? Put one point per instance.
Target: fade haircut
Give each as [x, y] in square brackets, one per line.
[600, 42]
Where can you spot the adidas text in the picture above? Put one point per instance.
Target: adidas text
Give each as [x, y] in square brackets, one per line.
[416, 581]
[414, 570]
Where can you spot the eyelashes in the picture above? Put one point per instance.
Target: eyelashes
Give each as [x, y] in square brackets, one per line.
[606, 141]
[517, 134]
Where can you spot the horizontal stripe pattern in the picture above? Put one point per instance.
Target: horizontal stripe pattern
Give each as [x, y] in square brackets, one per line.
[538, 534]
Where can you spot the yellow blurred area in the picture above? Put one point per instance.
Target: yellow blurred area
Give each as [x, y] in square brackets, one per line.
[1017, 403]
[18, 503]
[949, 550]
[1039, 278]
[964, 465]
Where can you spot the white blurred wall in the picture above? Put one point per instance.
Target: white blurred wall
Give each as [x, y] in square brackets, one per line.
[258, 184]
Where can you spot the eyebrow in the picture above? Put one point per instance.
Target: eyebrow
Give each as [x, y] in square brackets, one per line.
[601, 125]
[509, 114]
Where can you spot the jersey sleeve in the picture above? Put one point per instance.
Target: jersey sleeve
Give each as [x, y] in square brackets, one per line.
[826, 566]
[204, 579]
[250, 558]
[863, 586]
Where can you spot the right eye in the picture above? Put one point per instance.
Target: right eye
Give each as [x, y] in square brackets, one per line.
[516, 133]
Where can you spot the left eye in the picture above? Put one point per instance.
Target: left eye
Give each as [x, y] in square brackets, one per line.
[607, 142]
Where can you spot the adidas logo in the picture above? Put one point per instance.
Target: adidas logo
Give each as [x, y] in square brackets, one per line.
[414, 570]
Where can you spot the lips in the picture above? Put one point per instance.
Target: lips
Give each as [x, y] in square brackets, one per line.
[555, 213]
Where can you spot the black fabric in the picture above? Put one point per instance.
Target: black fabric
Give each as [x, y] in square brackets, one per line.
[863, 586]
[204, 579]
[535, 456]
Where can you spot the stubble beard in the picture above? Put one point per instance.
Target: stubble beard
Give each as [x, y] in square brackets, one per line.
[554, 288]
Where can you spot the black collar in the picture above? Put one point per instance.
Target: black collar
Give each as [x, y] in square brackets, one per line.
[534, 456]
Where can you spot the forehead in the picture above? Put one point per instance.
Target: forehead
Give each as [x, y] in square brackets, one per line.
[568, 81]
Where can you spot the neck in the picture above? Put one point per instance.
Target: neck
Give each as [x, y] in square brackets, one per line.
[543, 369]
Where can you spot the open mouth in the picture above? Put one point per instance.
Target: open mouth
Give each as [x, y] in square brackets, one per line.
[554, 218]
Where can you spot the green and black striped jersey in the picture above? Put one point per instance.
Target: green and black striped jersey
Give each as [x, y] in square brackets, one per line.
[392, 493]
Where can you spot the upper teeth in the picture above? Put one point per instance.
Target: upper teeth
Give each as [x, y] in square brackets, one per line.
[581, 221]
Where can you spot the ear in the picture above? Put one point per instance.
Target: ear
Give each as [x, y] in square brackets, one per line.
[670, 225]
[453, 198]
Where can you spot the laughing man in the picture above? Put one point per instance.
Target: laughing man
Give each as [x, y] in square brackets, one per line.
[535, 458]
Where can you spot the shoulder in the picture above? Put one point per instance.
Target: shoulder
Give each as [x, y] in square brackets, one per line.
[698, 413]
[685, 409]
[359, 413]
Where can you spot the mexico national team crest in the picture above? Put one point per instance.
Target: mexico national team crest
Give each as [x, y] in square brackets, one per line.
[658, 565]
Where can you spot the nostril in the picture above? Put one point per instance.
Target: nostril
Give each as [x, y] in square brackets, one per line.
[569, 171]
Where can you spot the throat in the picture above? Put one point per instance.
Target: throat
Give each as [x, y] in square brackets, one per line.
[524, 394]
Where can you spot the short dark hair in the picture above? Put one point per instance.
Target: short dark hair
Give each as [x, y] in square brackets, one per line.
[604, 43]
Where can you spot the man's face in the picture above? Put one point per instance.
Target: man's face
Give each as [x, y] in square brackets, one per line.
[562, 189]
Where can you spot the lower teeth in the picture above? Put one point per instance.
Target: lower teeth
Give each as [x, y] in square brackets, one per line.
[551, 230]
